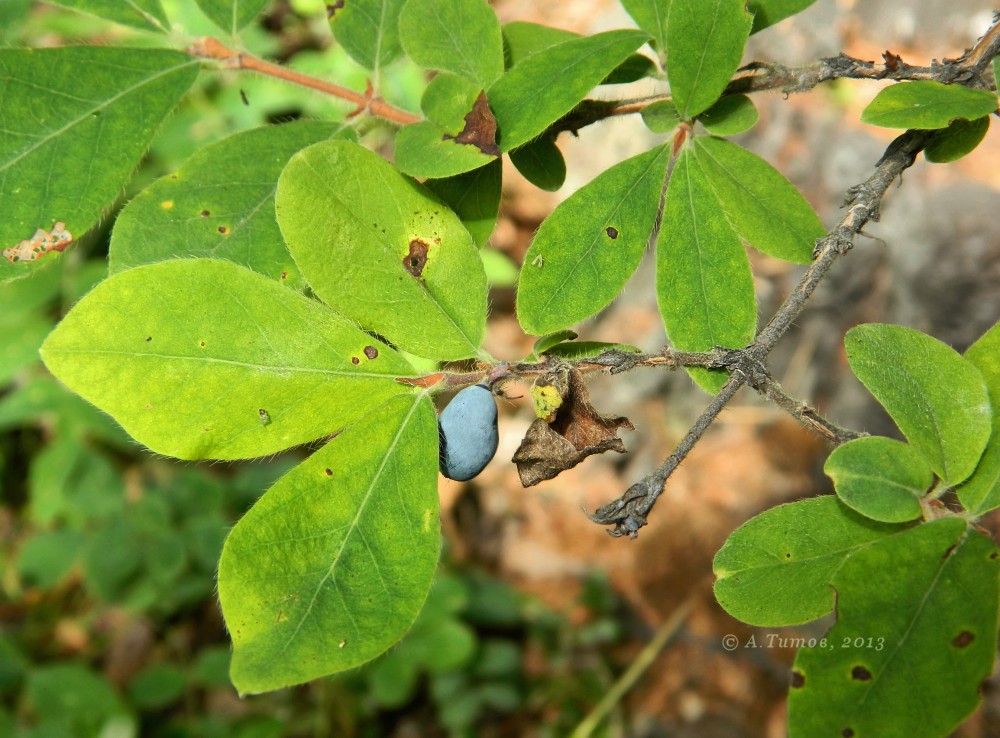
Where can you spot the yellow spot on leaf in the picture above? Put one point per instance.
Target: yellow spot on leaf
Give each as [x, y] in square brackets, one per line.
[167, 204]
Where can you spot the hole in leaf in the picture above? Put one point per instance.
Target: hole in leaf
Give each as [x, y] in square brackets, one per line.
[963, 639]
[798, 680]
[861, 674]
[40, 244]
[371, 352]
[416, 259]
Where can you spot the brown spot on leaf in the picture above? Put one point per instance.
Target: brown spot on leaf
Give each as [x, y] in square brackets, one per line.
[371, 352]
[284, 275]
[148, 339]
[332, 8]
[950, 551]
[963, 639]
[355, 360]
[243, 97]
[847, 733]
[612, 232]
[202, 344]
[40, 244]
[416, 258]
[204, 213]
[576, 432]
[328, 472]
[224, 230]
[861, 674]
[798, 680]
[480, 128]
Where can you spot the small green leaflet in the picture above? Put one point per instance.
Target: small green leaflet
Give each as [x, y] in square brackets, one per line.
[936, 397]
[219, 204]
[732, 114]
[768, 12]
[704, 286]
[231, 15]
[927, 104]
[333, 563]
[203, 346]
[541, 163]
[587, 249]
[651, 16]
[916, 616]
[145, 14]
[881, 478]
[958, 139]
[368, 30]
[425, 150]
[381, 250]
[776, 568]
[764, 208]
[661, 116]
[458, 36]
[981, 492]
[475, 198]
[53, 120]
[705, 40]
[547, 85]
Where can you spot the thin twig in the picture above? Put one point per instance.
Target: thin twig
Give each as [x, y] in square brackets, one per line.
[770, 390]
[211, 48]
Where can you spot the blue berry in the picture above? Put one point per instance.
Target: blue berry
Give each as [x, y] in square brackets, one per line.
[467, 429]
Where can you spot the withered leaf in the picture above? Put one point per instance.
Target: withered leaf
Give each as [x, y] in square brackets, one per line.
[578, 431]
[480, 128]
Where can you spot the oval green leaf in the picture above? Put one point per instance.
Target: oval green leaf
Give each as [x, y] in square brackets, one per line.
[927, 104]
[333, 563]
[881, 478]
[547, 85]
[704, 286]
[368, 30]
[145, 14]
[382, 250]
[55, 119]
[541, 163]
[587, 249]
[776, 568]
[426, 150]
[957, 140]
[231, 15]
[459, 36]
[768, 12]
[980, 493]
[219, 204]
[661, 116]
[204, 359]
[544, 343]
[764, 208]
[937, 397]
[916, 616]
[705, 40]
[475, 198]
[731, 115]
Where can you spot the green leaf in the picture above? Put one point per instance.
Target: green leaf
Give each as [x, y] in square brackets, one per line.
[981, 492]
[763, 206]
[776, 568]
[156, 687]
[459, 36]
[547, 85]
[219, 204]
[957, 140]
[541, 163]
[589, 246]
[661, 116]
[705, 40]
[458, 136]
[54, 120]
[231, 15]
[20, 339]
[651, 16]
[937, 398]
[47, 557]
[571, 350]
[80, 697]
[145, 14]
[475, 198]
[385, 252]
[704, 286]
[544, 343]
[521, 39]
[881, 478]
[768, 12]
[916, 635]
[333, 563]
[192, 355]
[634, 68]
[368, 30]
[730, 115]
[927, 104]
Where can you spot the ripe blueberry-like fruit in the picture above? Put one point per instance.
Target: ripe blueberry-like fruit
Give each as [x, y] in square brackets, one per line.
[468, 432]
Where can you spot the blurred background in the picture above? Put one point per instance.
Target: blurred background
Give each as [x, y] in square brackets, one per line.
[109, 624]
